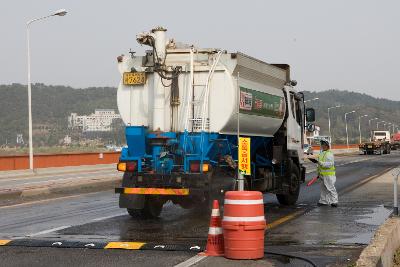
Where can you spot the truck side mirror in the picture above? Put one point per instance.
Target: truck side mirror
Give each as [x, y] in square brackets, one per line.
[310, 127]
[310, 115]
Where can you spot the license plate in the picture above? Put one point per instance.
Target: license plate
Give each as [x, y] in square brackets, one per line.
[369, 146]
[134, 78]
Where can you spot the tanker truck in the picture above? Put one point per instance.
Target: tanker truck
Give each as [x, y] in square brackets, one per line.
[183, 107]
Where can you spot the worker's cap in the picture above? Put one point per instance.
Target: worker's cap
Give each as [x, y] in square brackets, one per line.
[325, 142]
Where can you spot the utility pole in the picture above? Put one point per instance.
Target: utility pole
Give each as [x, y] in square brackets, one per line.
[347, 134]
[61, 12]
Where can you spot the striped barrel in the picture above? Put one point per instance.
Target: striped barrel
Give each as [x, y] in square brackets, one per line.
[244, 225]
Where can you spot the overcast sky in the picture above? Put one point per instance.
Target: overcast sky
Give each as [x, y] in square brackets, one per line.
[348, 45]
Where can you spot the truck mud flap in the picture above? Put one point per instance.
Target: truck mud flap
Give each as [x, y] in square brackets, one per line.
[131, 201]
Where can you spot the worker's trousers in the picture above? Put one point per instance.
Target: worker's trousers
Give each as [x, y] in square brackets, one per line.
[328, 190]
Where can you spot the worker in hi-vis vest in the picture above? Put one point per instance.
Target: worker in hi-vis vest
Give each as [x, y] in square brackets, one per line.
[326, 171]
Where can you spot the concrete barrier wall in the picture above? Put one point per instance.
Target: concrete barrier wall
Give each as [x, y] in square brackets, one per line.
[384, 244]
[8, 163]
[57, 160]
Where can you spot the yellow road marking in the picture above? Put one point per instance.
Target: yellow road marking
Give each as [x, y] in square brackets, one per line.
[124, 245]
[4, 242]
[284, 219]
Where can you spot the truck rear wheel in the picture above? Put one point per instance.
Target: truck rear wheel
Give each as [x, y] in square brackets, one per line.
[152, 209]
[291, 197]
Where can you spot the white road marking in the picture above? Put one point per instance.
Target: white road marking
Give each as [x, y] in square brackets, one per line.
[79, 178]
[108, 217]
[57, 243]
[342, 164]
[191, 261]
[48, 200]
[49, 231]
[62, 175]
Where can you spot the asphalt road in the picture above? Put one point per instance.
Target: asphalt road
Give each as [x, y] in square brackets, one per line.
[96, 217]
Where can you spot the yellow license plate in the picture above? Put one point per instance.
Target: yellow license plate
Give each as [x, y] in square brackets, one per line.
[134, 78]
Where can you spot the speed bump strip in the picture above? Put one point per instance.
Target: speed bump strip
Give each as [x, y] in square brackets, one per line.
[4, 242]
[60, 243]
[124, 245]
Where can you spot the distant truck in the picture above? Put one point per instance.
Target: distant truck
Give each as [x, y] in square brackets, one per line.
[395, 141]
[379, 144]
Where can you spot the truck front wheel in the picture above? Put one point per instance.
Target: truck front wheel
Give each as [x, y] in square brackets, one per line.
[290, 198]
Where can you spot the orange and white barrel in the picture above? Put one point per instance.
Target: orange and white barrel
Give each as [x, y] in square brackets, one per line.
[244, 225]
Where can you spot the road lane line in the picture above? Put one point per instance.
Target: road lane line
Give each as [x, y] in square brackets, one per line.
[49, 231]
[342, 192]
[342, 164]
[364, 181]
[50, 199]
[4, 242]
[108, 217]
[78, 178]
[60, 175]
[192, 261]
[284, 219]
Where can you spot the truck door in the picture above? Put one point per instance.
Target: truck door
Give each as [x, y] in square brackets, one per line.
[295, 122]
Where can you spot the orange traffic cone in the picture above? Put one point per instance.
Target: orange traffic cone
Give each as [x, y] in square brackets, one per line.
[215, 240]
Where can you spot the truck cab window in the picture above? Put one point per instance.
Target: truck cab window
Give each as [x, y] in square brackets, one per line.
[299, 117]
[292, 105]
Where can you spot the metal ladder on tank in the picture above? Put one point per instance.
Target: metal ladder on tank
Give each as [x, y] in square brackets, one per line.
[203, 100]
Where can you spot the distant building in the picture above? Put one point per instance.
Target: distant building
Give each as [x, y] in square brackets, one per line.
[67, 140]
[99, 121]
[20, 139]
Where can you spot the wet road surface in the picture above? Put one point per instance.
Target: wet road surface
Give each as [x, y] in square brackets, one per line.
[96, 217]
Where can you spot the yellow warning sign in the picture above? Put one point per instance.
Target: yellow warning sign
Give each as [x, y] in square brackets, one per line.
[244, 155]
[124, 245]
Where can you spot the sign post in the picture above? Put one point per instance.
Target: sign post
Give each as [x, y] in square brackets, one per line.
[240, 178]
[395, 174]
[244, 156]
[244, 162]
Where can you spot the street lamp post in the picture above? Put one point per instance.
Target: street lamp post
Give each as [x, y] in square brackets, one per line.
[347, 134]
[329, 120]
[359, 124]
[377, 124]
[60, 12]
[369, 123]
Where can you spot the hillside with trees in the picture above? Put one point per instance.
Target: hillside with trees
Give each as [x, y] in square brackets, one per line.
[383, 109]
[51, 105]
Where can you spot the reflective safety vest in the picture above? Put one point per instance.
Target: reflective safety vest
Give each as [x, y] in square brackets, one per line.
[330, 171]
